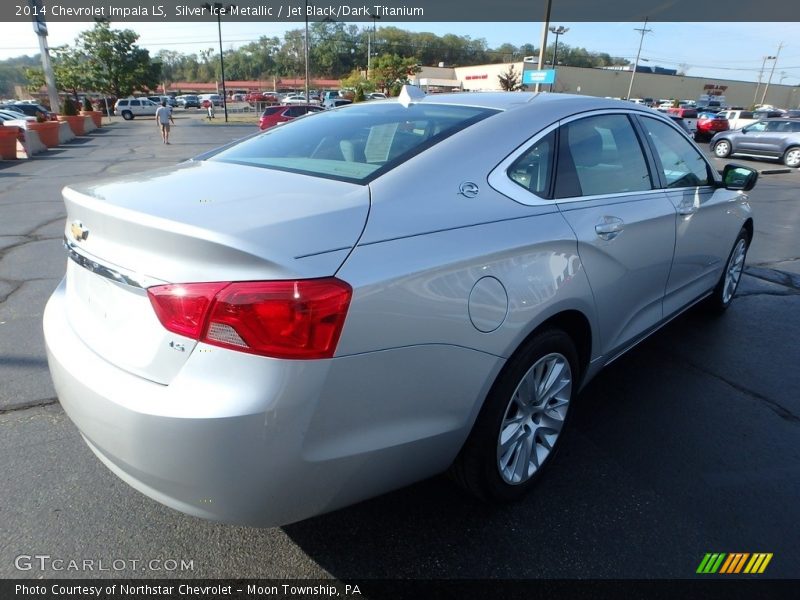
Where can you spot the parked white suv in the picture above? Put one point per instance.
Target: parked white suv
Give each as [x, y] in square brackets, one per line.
[135, 107]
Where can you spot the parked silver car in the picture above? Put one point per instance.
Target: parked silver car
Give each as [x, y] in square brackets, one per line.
[347, 304]
[769, 138]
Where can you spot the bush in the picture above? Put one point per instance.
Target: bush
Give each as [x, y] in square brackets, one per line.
[87, 104]
[68, 108]
[359, 95]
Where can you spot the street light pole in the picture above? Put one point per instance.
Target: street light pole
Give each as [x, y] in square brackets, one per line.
[557, 31]
[644, 30]
[543, 44]
[305, 51]
[218, 7]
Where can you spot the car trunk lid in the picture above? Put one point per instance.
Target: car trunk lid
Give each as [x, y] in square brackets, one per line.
[198, 222]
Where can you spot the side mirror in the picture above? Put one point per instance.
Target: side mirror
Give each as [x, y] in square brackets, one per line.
[737, 177]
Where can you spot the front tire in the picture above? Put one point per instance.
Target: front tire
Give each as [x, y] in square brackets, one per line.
[722, 149]
[722, 296]
[791, 158]
[521, 421]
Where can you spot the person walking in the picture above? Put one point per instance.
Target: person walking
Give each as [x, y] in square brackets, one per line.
[163, 119]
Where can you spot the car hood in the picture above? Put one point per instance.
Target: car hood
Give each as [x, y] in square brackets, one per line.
[215, 221]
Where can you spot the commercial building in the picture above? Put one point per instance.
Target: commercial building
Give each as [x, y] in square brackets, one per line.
[611, 83]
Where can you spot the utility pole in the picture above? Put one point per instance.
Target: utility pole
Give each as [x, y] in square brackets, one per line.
[643, 30]
[543, 44]
[771, 73]
[760, 77]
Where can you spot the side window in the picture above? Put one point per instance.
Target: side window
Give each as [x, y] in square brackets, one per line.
[600, 155]
[135, 103]
[756, 127]
[123, 103]
[534, 169]
[681, 163]
[292, 111]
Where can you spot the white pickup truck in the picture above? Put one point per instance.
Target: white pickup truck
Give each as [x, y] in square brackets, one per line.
[739, 118]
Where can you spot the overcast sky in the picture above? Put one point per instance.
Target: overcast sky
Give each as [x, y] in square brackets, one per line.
[713, 50]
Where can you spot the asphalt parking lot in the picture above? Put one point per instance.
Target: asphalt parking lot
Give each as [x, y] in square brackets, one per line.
[688, 444]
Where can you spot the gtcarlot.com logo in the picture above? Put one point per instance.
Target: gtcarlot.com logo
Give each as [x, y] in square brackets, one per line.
[733, 563]
[45, 562]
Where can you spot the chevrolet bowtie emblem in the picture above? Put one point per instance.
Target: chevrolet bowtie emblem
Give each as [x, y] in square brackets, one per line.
[79, 232]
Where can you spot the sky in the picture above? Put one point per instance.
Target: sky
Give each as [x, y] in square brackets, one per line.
[713, 50]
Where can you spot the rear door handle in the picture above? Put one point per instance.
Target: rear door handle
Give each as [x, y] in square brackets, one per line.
[610, 228]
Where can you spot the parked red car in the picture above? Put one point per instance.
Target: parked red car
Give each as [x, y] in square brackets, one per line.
[710, 125]
[280, 114]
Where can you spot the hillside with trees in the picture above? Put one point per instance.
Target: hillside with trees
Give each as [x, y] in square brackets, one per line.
[336, 51]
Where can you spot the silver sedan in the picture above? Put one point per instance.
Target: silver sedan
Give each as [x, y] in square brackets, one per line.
[353, 302]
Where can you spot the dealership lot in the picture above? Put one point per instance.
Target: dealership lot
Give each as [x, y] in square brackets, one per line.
[687, 445]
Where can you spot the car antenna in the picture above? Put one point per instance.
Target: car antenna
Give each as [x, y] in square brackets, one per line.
[409, 94]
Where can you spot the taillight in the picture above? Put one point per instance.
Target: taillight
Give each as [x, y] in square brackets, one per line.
[282, 319]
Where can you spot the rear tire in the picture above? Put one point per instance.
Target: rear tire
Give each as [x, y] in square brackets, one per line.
[791, 158]
[127, 115]
[723, 294]
[523, 418]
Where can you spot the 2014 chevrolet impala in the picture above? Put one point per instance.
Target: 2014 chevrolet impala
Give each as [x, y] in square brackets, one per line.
[358, 300]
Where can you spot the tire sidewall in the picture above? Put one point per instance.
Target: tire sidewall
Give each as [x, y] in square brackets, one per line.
[717, 297]
[487, 427]
[728, 151]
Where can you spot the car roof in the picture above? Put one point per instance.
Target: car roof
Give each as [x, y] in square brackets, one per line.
[554, 103]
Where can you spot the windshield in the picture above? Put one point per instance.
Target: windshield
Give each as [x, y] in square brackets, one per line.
[355, 143]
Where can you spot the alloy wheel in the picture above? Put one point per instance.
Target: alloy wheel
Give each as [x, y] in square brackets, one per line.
[733, 271]
[534, 418]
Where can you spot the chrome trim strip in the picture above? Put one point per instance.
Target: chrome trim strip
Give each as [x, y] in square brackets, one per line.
[116, 274]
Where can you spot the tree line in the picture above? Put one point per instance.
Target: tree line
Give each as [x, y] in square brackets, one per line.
[108, 60]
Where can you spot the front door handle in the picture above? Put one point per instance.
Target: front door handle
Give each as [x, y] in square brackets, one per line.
[687, 209]
[609, 228]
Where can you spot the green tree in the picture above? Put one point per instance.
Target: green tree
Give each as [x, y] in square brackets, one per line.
[116, 65]
[509, 80]
[391, 70]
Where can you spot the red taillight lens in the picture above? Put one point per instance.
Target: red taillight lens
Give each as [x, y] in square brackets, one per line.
[183, 308]
[283, 319]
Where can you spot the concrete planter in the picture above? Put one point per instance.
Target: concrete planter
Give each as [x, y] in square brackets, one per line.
[96, 115]
[48, 132]
[8, 142]
[75, 123]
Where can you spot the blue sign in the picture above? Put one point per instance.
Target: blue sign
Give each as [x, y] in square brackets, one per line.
[532, 77]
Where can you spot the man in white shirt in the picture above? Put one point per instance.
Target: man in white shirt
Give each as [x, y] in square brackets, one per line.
[163, 119]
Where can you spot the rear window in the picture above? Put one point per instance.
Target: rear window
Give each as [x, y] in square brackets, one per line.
[689, 113]
[357, 144]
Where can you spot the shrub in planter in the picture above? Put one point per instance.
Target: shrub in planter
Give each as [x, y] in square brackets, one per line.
[68, 108]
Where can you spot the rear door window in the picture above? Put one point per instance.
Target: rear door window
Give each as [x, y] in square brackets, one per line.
[600, 155]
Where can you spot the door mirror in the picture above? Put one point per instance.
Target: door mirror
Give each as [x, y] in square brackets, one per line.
[736, 177]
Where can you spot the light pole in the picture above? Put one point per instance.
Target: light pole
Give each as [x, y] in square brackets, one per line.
[369, 42]
[643, 30]
[556, 31]
[760, 75]
[543, 44]
[305, 51]
[218, 7]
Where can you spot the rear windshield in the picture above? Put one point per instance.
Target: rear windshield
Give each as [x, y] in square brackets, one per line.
[357, 143]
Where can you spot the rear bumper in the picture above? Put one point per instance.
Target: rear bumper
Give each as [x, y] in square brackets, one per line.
[246, 439]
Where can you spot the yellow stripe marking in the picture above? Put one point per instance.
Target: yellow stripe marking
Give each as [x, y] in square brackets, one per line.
[765, 563]
[749, 567]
